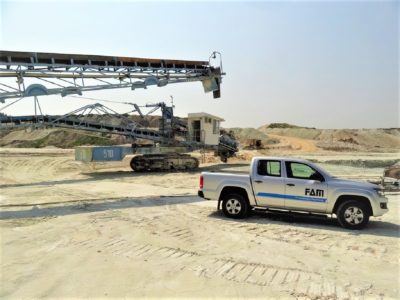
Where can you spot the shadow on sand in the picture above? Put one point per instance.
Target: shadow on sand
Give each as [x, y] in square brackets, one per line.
[111, 175]
[90, 206]
[377, 228]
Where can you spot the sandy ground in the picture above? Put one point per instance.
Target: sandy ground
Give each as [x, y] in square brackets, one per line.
[70, 230]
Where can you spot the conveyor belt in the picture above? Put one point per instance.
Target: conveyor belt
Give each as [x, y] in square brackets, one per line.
[75, 123]
[40, 58]
[38, 74]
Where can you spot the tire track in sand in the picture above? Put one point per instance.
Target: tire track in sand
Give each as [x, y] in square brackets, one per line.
[297, 282]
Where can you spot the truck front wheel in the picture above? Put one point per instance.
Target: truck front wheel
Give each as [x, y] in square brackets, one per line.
[353, 214]
[235, 206]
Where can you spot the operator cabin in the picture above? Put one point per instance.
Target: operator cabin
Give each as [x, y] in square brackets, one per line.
[204, 128]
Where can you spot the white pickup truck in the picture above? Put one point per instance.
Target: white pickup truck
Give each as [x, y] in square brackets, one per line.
[293, 185]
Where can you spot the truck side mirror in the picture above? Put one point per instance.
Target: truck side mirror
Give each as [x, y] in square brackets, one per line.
[320, 178]
[317, 177]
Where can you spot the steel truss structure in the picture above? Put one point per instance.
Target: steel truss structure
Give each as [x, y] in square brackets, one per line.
[76, 120]
[69, 74]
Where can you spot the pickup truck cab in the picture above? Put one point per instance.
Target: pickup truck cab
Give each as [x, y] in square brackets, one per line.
[293, 185]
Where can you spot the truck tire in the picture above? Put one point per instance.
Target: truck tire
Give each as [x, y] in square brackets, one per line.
[353, 214]
[235, 206]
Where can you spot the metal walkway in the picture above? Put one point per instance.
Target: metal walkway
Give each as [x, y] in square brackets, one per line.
[38, 74]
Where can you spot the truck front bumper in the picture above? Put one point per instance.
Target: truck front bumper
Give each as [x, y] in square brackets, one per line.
[382, 206]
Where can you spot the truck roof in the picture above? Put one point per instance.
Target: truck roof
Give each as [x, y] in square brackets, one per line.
[280, 158]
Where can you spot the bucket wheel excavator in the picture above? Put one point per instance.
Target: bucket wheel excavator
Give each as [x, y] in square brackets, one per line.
[31, 74]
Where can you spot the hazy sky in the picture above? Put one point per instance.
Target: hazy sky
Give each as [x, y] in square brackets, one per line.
[327, 64]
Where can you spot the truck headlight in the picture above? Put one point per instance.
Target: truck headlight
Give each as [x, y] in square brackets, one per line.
[380, 192]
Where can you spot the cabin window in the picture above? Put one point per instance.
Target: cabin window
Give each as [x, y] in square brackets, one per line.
[269, 168]
[216, 126]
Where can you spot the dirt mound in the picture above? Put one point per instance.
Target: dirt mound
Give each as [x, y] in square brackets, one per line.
[243, 135]
[69, 138]
[146, 121]
[282, 125]
[300, 132]
[359, 139]
[379, 140]
[61, 138]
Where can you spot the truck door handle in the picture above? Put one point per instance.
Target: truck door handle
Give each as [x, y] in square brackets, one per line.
[290, 184]
[258, 181]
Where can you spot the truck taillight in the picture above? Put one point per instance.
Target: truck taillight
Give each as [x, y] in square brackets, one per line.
[201, 181]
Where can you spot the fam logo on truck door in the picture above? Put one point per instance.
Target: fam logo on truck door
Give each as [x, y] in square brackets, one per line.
[314, 192]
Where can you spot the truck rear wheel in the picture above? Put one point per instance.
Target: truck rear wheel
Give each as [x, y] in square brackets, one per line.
[353, 214]
[235, 206]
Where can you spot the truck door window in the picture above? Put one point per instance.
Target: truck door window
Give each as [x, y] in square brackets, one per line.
[269, 168]
[302, 171]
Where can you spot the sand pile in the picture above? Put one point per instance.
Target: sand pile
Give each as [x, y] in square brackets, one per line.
[378, 140]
